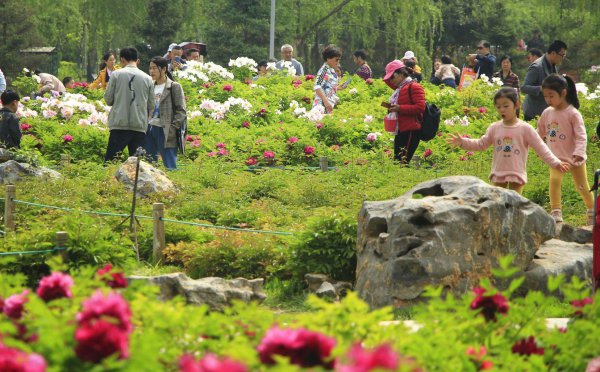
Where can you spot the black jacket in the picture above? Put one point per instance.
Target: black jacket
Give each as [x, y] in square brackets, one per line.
[10, 131]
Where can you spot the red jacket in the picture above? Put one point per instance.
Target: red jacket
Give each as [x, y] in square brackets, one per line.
[410, 112]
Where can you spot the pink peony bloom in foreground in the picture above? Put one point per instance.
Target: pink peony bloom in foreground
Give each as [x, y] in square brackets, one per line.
[110, 306]
[55, 285]
[580, 304]
[309, 77]
[269, 155]
[251, 161]
[361, 360]
[371, 137]
[319, 125]
[196, 143]
[246, 124]
[111, 278]
[67, 138]
[227, 88]
[292, 140]
[483, 110]
[99, 339]
[220, 145]
[309, 150]
[489, 305]
[189, 138]
[15, 305]
[25, 127]
[223, 152]
[527, 346]
[427, 153]
[210, 363]
[593, 365]
[303, 347]
[13, 360]
[369, 81]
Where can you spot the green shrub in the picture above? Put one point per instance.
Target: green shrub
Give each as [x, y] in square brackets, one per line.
[326, 246]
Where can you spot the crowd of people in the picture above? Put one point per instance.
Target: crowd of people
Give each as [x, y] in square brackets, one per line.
[149, 109]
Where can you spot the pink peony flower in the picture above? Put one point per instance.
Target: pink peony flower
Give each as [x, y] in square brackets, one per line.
[227, 88]
[251, 161]
[223, 152]
[483, 110]
[527, 346]
[380, 358]
[580, 304]
[189, 138]
[111, 278]
[319, 125]
[303, 347]
[371, 137]
[292, 140]
[309, 150]
[210, 363]
[490, 305]
[593, 365]
[13, 360]
[84, 122]
[211, 154]
[25, 127]
[369, 81]
[463, 158]
[427, 153]
[15, 305]
[110, 306]
[56, 285]
[269, 155]
[220, 145]
[67, 138]
[246, 124]
[99, 339]
[470, 153]
[309, 77]
[196, 143]
[207, 85]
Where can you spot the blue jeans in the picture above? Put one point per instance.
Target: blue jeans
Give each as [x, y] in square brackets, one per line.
[155, 143]
[449, 82]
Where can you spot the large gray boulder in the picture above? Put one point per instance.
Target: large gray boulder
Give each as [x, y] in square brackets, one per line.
[12, 172]
[150, 179]
[217, 293]
[450, 232]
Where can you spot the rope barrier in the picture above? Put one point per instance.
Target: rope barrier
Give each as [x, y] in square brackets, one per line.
[228, 228]
[77, 210]
[32, 252]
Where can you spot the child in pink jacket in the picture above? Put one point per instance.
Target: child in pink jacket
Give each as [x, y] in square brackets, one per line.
[511, 138]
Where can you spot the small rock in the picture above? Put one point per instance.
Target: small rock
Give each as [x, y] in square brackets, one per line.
[150, 179]
[326, 290]
[314, 281]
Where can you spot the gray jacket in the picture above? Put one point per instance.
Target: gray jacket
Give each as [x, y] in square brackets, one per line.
[534, 104]
[130, 92]
[172, 111]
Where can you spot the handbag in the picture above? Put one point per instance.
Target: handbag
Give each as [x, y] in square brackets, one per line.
[390, 122]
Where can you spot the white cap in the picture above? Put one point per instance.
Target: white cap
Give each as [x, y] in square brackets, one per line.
[408, 55]
[171, 46]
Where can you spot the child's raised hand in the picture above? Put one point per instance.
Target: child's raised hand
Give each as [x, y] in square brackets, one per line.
[564, 166]
[454, 139]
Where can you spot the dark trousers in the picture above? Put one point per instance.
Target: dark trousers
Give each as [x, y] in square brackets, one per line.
[405, 145]
[119, 139]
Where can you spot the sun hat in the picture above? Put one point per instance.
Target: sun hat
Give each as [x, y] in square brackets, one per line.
[391, 67]
[409, 55]
[171, 46]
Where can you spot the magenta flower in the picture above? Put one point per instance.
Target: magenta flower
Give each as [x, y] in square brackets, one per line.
[361, 360]
[477, 357]
[482, 110]
[210, 363]
[263, 110]
[527, 346]
[303, 347]
[211, 154]
[25, 127]
[67, 138]
[593, 365]
[319, 125]
[251, 161]
[489, 305]
[246, 124]
[189, 138]
[269, 155]
[55, 285]
[17, 360]
[369, 81]
[309, 150]
[111, 278]
[309, 77]
[223, 152]
[427, 153]
[100, 339]
[111, 306]
[196, 143]
[371, 137]
[292, 140]
[463, 158]
[15, 305]
[227, 88]
[470, 153]
[220, 145]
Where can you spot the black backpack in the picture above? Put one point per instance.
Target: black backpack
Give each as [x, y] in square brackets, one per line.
[430, 121]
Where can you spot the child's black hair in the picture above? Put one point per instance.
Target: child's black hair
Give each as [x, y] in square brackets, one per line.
[558, 83]
[8, 97]
[510, 93]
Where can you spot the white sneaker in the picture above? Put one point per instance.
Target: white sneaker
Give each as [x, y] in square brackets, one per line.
[557, 215]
